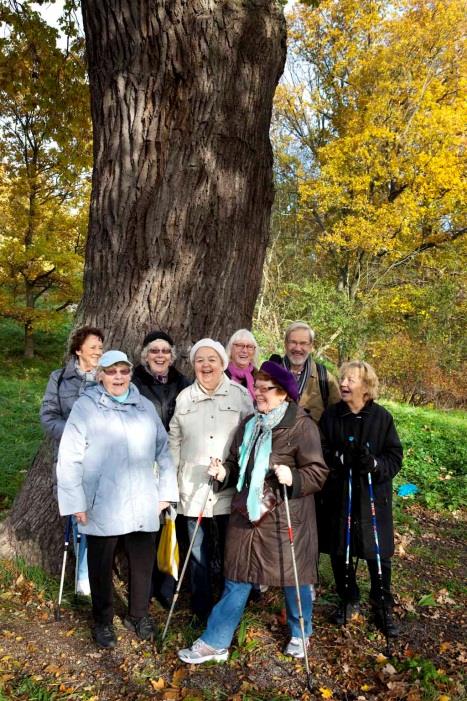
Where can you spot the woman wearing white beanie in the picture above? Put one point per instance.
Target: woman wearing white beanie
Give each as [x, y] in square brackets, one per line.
[206, 417]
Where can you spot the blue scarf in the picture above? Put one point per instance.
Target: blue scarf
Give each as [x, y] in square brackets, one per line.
[258, 430]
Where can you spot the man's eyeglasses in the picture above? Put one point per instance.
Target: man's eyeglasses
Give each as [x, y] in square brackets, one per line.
[300, 344]
[155, 351]
[259, 390]
[248, 346]
[114, 371]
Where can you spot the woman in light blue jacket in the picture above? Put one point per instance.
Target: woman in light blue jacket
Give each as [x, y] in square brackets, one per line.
[107, 479]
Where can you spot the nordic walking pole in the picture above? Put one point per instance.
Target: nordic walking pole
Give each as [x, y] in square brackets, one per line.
[185, 564]
[62, 577]
[348, 533]
[78, 546]
[378, 559]
[309, 679]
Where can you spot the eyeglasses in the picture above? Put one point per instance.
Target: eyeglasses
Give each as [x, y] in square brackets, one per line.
[259, 390]
[115, 371]
[248, 346]
[155, 351]
[300, 344]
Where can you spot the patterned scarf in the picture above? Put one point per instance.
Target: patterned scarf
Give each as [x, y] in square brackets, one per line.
[304, 375]
[239, 374]
[258, 430]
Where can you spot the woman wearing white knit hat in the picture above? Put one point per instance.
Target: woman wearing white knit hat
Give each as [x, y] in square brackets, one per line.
[206, 417]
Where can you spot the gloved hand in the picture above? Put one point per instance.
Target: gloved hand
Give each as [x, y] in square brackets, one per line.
[366, 461]
[217, 470]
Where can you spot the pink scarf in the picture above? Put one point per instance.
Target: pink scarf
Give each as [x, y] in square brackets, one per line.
[239, 374]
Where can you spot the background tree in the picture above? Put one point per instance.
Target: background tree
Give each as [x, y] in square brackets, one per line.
[181, 100]
[372, 114]
[45, 153]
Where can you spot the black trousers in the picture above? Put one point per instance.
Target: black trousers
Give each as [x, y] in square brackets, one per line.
[352, 593]
[140, 550]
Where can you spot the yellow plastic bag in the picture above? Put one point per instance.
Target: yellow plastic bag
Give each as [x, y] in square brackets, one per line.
[167, 552]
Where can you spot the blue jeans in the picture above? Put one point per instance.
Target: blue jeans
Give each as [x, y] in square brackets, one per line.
[227, 613]
[82, 563]
[200, 567]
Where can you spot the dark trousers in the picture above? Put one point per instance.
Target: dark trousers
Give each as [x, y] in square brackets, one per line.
[201, 559]
[352, 593]
[140, 550]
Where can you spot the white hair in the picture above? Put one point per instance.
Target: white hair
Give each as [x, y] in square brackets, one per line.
[295, 326]
[145, 352]
[240, 335]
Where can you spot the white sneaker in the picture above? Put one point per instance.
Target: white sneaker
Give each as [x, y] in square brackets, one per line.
[295, 648]
[201, 652]
[83, 588]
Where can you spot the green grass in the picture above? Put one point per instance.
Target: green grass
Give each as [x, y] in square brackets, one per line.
[22, 385]
[435, 454]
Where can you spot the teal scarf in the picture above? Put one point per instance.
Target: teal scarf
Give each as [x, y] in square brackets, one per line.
[258, 430]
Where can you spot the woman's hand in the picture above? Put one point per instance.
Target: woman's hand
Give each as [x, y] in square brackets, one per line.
[81, 518]
[163, 505]
[283, 474]
[217, 470]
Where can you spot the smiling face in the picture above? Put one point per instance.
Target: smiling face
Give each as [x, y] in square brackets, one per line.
[89, 353]
[268, 395]
[208, 368]
[298, 346]
[353, 389]
[116, 379]
[242, 353]
[159, 357]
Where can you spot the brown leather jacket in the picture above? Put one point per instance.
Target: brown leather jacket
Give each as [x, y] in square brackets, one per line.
[261, 554]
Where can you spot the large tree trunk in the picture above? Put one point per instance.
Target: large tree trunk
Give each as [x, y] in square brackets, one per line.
[182, 185]
[181, 98]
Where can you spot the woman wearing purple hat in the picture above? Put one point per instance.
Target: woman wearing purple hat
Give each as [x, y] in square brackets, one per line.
[278, 445]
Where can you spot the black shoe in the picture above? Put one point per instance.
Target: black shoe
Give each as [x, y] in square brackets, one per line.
[143, 627]
[104, 635]
[339, 617]
[385, 622]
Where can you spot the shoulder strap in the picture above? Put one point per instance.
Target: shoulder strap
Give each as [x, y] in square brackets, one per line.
[323, 383]
[59, 382]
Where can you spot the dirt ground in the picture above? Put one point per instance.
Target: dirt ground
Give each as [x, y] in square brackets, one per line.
[45, 660]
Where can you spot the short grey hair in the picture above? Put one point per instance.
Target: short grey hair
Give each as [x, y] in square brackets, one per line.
[295, 326]
[145, 351]
[239, 336]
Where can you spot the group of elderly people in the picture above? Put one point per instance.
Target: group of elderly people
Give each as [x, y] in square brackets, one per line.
[232, 445]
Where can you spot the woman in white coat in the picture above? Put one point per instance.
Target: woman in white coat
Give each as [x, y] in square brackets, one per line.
[106, 478]
[206, 417]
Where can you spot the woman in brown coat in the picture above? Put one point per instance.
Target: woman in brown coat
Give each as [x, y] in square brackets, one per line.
[276, 448]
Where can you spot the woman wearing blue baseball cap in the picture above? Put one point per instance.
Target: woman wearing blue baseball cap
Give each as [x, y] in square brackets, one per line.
[106, 478]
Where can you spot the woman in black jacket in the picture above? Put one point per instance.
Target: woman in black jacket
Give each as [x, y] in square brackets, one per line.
[158, 380]
[359, 437]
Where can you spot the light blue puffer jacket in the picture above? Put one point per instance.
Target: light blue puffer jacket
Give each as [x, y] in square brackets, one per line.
[106, 464]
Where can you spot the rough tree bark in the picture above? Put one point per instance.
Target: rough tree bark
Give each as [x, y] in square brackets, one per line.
[181, 99]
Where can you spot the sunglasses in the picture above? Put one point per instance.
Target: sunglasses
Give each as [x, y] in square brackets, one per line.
[155, 351]
[260, 390]
[115, 371]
